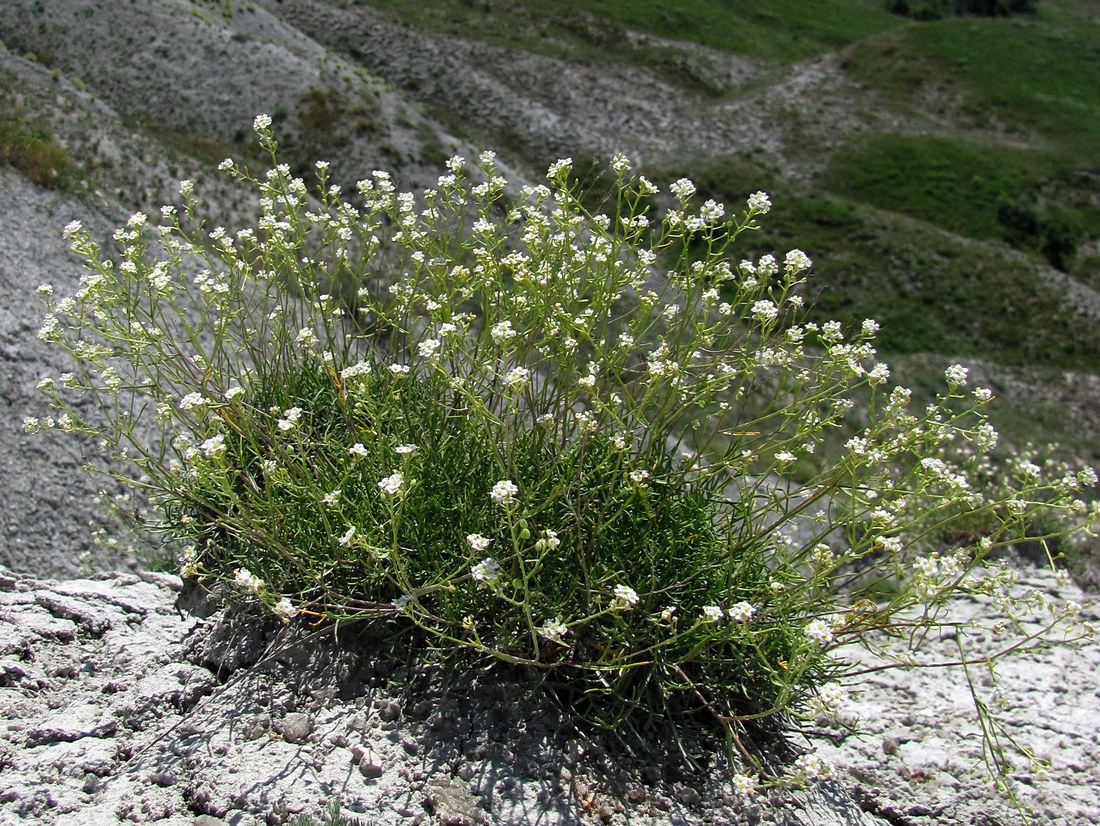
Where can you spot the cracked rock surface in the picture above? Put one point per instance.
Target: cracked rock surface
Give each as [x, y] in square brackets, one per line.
[117, 706]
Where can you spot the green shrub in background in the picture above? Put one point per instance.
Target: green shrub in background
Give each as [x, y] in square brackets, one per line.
[500, 425]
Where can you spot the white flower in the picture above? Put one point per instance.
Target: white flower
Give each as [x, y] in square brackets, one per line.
[741, 612]
[809, 767]
[682, 189]
[358, 450]
[549, 541]
[759, 202]
[764, 311]
[955, 375]
[406, 450]
[559, 167]
[285, 609]
[248, 581]
[213, 447]
[639, 476]
[504, 492]
[486, 572]
[785, 457]
[361, 368]
[870, 327]
[428, 348]
[330, 499]
[797, 261]
[233, 392]
[712, 613]
[392, 485]
[261, 122]
[398, 370]
[625, 597]
[553, 630]
[818, 632]
[192, 400]
[349, 534]
[477, 541]
[290, 418]
[745, 784]
[517, 377]
[857, 445]
[502, 331]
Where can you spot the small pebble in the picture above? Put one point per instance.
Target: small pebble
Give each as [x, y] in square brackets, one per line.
[296, 727]
[370, 768]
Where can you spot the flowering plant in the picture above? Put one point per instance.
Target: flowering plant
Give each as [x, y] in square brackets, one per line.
[563, 440]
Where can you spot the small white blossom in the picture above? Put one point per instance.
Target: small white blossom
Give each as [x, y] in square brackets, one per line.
[559, 168]
[818, 632]
[760, 203]
[248, 581]
[764, 311]
[392, 485]
[553, 630]
[349, 534]
[502, 331]
[682, 189]
[213, 447]
[517, 377]
[359, 450]
[428, 348]
[290, 419]
[486, 572]
[796, 261]
[745, 784]
[285, 609]
[477, 541]
[192, 400]
[407, 450]
[741, 612]
[504, 492]
[712, 613]
[625, 597]
[955, 375]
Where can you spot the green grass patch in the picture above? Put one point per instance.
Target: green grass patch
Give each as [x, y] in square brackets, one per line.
[1034, 201]
[29, 148]
[776, 32]
[931, 292]
[1041, 74]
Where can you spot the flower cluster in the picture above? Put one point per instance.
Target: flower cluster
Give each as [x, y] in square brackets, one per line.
[352, 395]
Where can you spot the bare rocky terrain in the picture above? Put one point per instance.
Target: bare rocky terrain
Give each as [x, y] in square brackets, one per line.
[125, 699]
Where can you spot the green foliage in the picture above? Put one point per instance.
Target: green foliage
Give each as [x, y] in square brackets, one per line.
[502, 427]
[778, 32]
[29, 148]
[332, 817]
[1042, 75]
[932, 292]
[979, 190]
